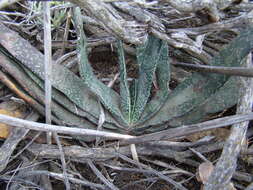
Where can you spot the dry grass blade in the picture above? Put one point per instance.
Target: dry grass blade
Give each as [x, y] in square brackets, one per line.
[100, 176]
[63, 162]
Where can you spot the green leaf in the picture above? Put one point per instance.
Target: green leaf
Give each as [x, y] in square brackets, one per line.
[60, 98]
[196, 89]
[109, 98]
[124, 89]
[32, 88]
[147, 58]
[225, 97]
[163, 78]
[133, 95]
[63, 80]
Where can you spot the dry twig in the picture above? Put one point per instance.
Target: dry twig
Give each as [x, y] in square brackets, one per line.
[234, 71]
[48, 84]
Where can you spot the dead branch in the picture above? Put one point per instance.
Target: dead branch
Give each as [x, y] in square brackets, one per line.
[113, 22]
[213, 7]
[48, 86]
[217, 26]
[166, 134]
[189, 129]
[234, 71]
[62, 129]
[48, 65]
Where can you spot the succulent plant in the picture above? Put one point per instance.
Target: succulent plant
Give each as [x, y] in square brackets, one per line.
[133, 110]
[197, 96]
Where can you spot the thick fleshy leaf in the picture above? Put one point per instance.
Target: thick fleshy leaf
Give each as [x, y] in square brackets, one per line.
[133, 94]
[57, 96]
[163, 78]
[37, 93]
[196, 89]
[109, 98]
[63, 80]
[225, 97]
[147, 58]
[60, 115]
[124, 88]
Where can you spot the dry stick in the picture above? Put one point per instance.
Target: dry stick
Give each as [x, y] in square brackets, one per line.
[235, 71]
[113, 21]
[188, 129]
[166, 134]
[244, 19]
[201, 156]
[48, 65]
[48, 85]
[63, 162]
[61, 177]
[132, 183]
[81, 154]
[144, 171]
[26, 146]
[100, 176]
[66, 31]
[242, 176]
[169, 168]
[66, 130]
[225, 167]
